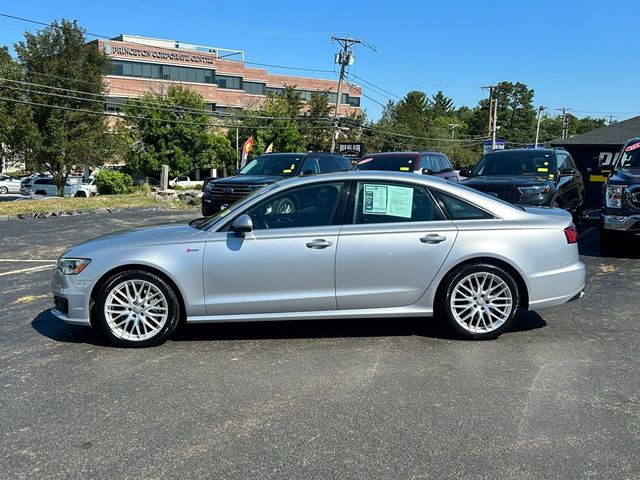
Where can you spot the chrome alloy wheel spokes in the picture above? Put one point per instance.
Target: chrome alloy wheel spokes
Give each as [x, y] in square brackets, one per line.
[481, 302]
[136, 310]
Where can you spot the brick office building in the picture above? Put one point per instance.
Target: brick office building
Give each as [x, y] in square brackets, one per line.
[141, 65]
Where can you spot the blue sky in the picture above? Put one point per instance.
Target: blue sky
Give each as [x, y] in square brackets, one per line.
[578, 54]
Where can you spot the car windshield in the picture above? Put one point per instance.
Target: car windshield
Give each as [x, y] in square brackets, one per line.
[205, 222]
[534, 162]
[630, 157]
[393, 163]
[273, 164]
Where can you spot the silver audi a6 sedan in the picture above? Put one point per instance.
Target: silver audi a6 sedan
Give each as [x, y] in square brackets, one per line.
[351, 245]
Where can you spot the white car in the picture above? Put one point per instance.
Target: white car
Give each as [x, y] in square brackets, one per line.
[184, 181]
[9, 184]
[46, 186]
[86, 189]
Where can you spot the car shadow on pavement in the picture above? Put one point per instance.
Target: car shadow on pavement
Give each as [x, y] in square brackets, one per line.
[48, 325]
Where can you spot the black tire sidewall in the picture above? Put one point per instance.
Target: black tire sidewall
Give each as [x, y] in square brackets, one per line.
[173, 306]
[451, 281]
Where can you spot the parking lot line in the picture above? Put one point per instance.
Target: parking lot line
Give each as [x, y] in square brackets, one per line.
[16, 260]
[24, 270]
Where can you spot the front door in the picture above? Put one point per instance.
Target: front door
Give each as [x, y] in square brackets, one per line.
[286, 264]
[396, 242]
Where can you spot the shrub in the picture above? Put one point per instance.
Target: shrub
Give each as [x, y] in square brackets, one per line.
[112, 182]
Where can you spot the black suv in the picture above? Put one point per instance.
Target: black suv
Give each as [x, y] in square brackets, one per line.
[621, 196]
[265, 170]
[534, 177]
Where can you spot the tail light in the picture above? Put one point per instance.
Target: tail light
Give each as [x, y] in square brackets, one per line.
[571, 232]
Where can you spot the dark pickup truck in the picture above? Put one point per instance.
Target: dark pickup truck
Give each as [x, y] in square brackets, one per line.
[621, 196]
[536, 177]
[265, 170]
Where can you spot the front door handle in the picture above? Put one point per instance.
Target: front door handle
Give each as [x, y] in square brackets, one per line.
[433, 238]
[318, 244]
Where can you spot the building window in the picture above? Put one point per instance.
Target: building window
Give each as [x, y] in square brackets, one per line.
[254, 88]
[274, 91]
[114, 104]
[227, 81]
[161, 72]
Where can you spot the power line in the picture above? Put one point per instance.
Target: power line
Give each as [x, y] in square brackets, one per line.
[374, 86]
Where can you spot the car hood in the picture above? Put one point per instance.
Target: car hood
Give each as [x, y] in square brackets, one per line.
[626, 176]
[140, 237]
[507, 180]
[252, 179]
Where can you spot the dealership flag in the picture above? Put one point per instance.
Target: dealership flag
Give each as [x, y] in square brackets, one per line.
[269, 148]
[246, 150]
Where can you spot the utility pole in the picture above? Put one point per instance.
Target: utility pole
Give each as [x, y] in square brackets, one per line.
[495, 124]
[490, 88]
[565, 121]
[343, 58]
[453, 127]
[540, 109]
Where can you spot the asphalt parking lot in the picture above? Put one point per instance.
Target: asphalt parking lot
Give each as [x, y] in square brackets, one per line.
[558, 396]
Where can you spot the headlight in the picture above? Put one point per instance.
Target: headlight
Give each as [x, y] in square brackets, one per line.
[613, 197]
[534, 190]
[72, 266]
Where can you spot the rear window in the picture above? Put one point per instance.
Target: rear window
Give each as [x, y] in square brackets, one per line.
[392, 163]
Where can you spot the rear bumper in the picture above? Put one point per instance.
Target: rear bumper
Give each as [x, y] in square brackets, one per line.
[556, 287]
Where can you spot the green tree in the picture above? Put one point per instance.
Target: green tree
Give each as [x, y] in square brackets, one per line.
[316, 127]
[173, 129]
[67, 104]
[441, 105]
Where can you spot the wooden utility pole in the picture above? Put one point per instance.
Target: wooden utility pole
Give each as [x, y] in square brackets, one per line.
[343, 58]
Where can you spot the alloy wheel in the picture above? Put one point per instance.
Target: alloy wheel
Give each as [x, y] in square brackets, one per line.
[481, 302]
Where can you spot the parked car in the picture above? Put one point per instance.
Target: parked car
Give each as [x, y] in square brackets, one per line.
[540, 177]
[183, 181]
[45, 186]
[86, 189]
[372, 244]
[9, 184]
[621, 197]
[425, 163]
[265, 170]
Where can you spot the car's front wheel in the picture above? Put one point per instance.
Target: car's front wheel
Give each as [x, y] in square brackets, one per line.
[480, 301]
[135, 308]
[3, 190]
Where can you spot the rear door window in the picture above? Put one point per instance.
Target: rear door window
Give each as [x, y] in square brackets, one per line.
[327, 165]
[458, 209]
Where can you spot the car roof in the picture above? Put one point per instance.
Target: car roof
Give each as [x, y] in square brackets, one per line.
[402, 154]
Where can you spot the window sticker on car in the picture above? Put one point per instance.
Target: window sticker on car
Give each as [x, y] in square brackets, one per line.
[543, 169]
[404, 169]
[286, 170]
[388, 200]
[632, 147]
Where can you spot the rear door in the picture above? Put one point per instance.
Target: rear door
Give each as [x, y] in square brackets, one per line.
[394, 241]
[568, 185]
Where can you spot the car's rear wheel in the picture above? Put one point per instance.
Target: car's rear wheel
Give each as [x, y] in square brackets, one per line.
[3, 190]
[480, 301]
[137, 309]
[81, 194]
[41, 192]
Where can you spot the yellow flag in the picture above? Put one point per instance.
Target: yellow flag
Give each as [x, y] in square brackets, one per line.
[269, 148]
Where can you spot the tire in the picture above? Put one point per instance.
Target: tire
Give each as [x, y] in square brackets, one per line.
[81, 194]
[41, 192]
[4, 190]
[137, 325]
[608, 241]
[468, 309]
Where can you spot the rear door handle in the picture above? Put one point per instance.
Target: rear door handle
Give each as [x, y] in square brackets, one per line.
[318, 244]
[433, 238]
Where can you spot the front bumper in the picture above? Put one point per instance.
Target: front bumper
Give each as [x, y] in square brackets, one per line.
[622, 222]
[74, 293]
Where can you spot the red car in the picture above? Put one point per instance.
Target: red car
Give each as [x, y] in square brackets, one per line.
[425, 163]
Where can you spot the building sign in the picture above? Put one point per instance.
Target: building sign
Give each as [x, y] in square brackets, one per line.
[487, 145]
[122, 51]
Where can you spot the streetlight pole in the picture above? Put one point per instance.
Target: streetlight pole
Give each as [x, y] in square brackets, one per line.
[540, 109]
[495, 123]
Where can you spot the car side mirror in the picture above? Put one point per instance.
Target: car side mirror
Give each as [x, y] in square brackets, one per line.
[243, 224]
[308, 172]
[567, 172]
[427, 171]
[464, 172]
